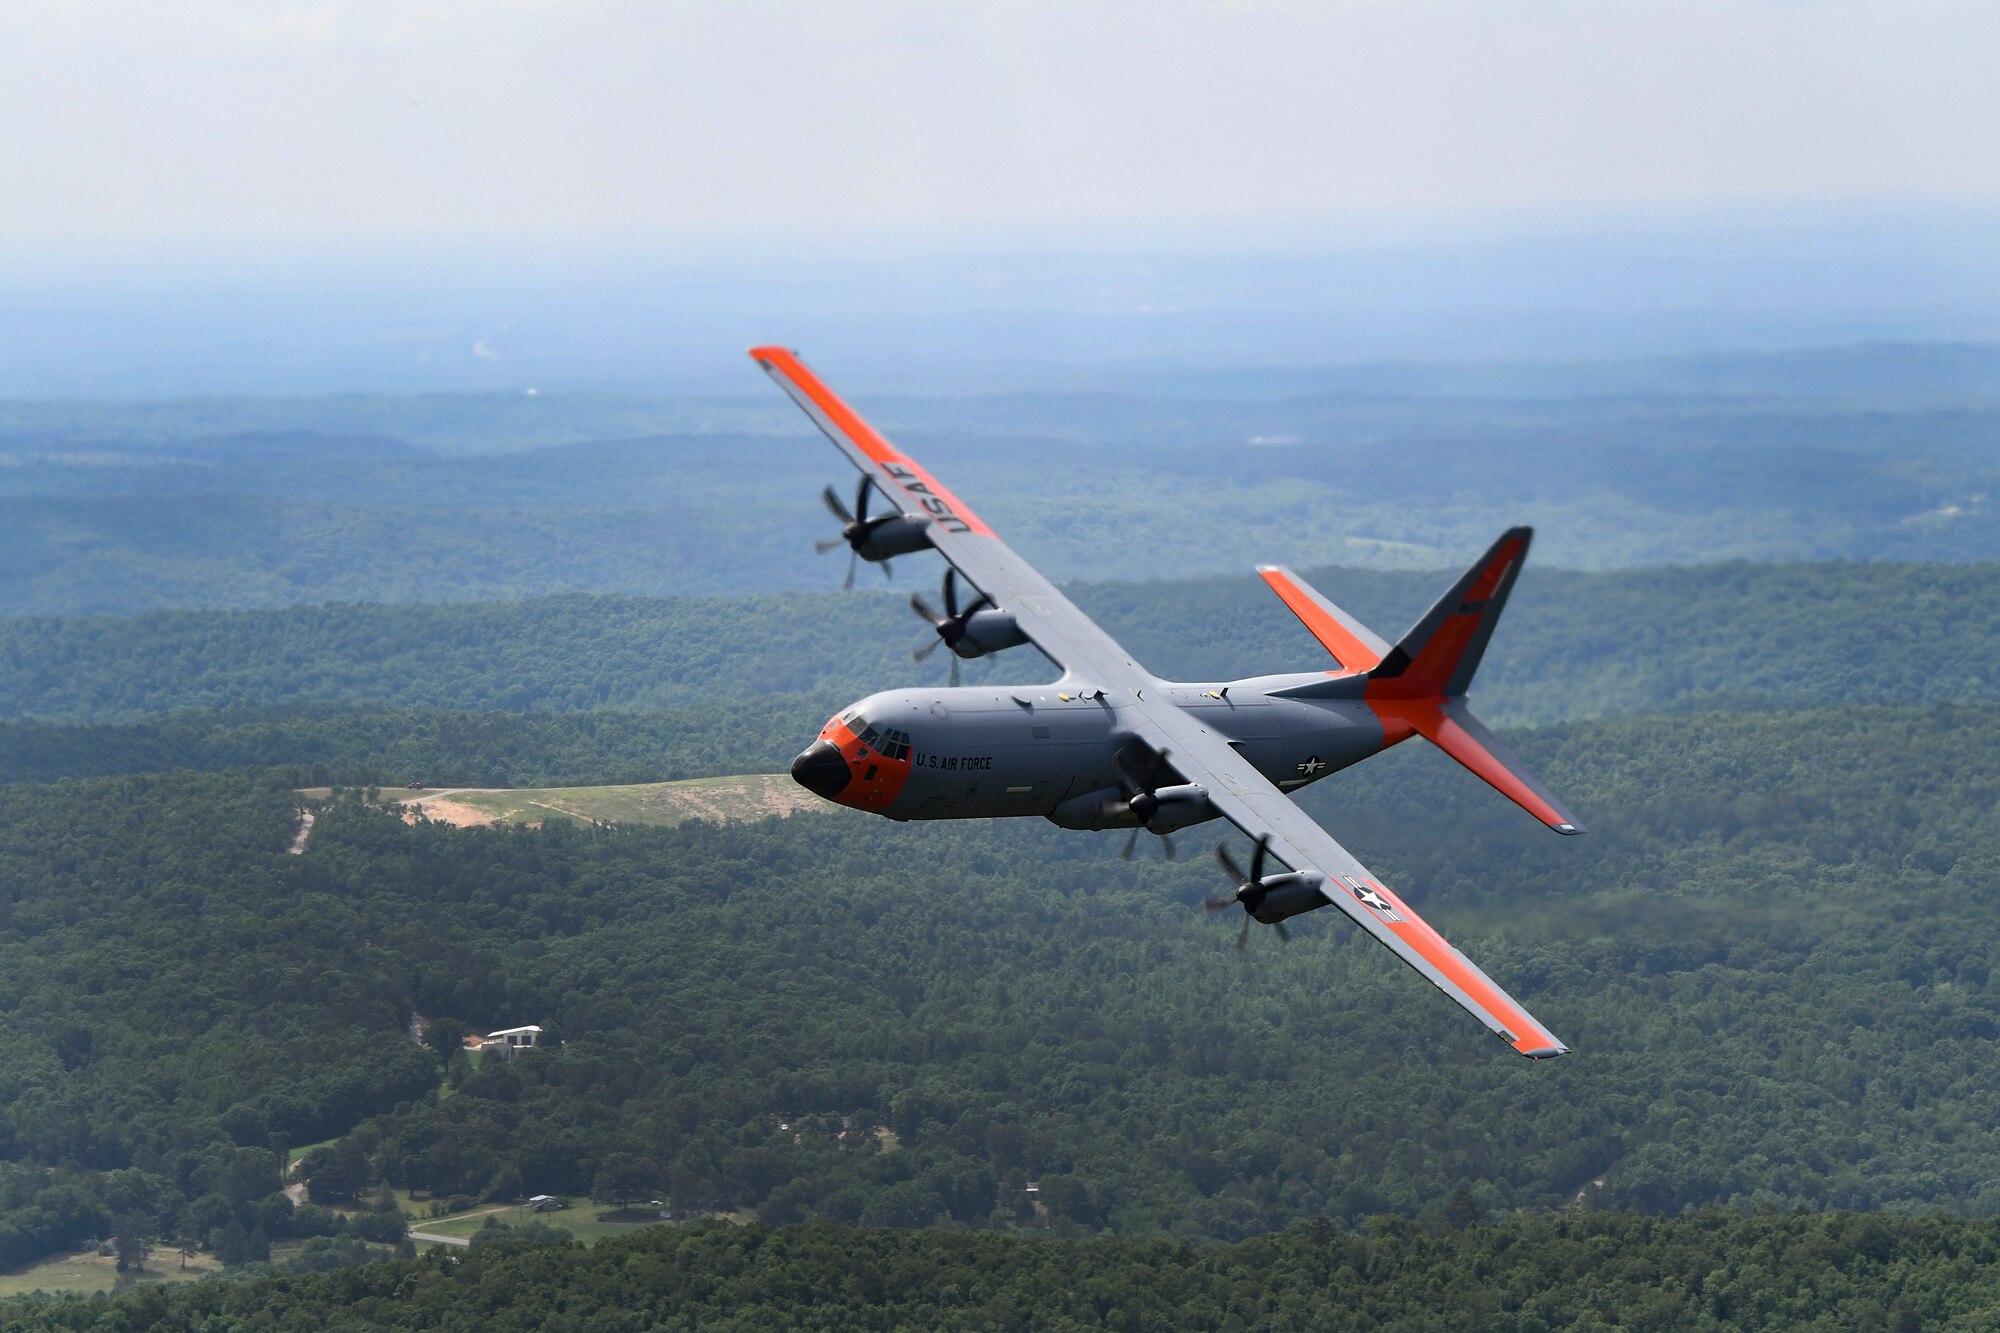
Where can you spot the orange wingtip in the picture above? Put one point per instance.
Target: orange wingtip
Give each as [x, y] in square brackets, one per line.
[924, 494]
[1517, 1027]
[865, 437]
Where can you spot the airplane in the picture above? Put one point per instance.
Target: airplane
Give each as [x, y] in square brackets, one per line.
[1110, 746]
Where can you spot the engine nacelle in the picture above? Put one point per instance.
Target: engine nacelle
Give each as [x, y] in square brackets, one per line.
[1092, 810]
[1276, 897]
[905, 534]
[989, 632]
[1179, 807]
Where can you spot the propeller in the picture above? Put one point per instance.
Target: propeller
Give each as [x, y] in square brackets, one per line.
[1132, 845]
[1138, 789]
[1250, 889]
[854, 528]
[950, 626]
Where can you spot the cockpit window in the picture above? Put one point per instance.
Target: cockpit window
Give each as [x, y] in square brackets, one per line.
[886, 741]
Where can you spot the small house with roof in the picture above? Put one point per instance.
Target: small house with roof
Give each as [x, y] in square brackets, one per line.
[508, 1040]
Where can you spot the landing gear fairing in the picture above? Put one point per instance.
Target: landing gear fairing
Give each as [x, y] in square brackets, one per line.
[1111, 746]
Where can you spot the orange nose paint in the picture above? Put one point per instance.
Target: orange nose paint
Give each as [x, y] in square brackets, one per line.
[878, 779]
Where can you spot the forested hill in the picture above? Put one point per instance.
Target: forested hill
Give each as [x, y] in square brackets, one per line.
[115, 510]
[1572, 645]
[1772, 956]
[1707, 1270]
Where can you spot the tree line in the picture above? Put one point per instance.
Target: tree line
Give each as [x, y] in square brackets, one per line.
[1519, 1273]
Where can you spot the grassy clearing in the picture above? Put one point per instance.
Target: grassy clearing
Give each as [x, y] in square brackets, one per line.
[293, 1156]
[89, 1273]
[747, 796]
[468, 1222]
[588, 1223]
[416, 1207]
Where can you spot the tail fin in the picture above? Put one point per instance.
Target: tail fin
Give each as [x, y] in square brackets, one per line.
[1442, 650]
[1417, 687]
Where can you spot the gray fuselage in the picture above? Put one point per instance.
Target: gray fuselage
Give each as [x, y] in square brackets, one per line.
[987, 752]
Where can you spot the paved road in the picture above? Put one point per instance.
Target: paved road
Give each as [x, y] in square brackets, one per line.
[461, 1241]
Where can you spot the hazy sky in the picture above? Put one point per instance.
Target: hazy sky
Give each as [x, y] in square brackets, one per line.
[193, 118]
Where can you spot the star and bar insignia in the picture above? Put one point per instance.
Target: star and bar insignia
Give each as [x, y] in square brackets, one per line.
[1372, 898]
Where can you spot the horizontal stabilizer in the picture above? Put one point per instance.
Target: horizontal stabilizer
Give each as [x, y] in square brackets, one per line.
[1353, 644]
[1452, 728]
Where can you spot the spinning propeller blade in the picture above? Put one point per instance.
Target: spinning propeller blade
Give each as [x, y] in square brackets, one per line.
[854, 528]
[1138, 790]
[950, 627]
[833, 503]
[1250, 889]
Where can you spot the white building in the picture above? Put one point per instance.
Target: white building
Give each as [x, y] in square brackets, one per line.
[511, 1040]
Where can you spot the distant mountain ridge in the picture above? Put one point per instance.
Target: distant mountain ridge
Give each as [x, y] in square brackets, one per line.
[1879, 452]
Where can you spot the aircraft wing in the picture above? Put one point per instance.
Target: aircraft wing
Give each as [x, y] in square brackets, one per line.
[1051, 621]
[1247, 799]
[1090, 657]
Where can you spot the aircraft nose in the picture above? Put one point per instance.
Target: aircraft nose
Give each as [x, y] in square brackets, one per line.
[821, 770]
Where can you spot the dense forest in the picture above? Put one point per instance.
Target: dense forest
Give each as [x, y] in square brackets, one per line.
[865, 1042]
[1708, 1270]
[1573, 645]
[1772, 956]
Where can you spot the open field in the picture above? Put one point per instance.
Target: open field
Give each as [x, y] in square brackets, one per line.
[587, 1222]
[748, 796]
[723, 799]
[93, 1272]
